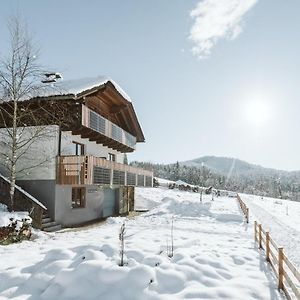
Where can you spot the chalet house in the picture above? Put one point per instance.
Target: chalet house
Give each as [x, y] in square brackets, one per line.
[80, 173]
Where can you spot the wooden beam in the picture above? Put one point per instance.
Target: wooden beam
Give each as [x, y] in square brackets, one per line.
[88, 133]
[112, 95]
[117, 108]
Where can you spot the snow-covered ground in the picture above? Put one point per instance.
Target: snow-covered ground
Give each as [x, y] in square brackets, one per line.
[214, 256]
[281, 218]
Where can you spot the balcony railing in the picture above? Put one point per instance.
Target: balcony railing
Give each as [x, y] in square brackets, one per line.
[88, 170]
[96, 122]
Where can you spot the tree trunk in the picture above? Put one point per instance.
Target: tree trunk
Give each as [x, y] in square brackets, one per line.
[13, 157]
[12, 187]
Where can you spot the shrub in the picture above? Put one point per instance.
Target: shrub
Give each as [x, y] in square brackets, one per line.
[16, 231]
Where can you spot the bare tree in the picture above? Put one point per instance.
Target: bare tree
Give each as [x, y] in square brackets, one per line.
[122, 244]
[19, 79]
[172, 237]
[170, 249]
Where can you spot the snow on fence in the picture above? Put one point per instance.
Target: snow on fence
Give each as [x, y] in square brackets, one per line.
[244, 208]
[288, 276]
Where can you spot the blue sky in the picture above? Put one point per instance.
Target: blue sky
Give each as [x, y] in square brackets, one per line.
[229, 90]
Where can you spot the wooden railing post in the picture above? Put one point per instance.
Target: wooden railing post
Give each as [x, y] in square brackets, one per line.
[92, 162]
[259, 236]
[255, 231]
[247, 215]
[280, 268]
[86, 169]
[267, 246]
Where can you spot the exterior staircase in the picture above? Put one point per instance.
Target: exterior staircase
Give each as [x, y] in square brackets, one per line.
[49, 225]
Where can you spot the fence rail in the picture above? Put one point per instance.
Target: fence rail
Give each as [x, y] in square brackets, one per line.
[287, 275]
[244, 208]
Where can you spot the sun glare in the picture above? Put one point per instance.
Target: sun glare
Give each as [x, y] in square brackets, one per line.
[257, 112]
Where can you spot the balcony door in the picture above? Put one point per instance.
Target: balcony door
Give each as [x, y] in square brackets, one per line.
[111, 157]
[78, 149]
[109, 202]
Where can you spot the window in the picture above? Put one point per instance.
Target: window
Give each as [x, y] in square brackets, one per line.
[78, 149]
[111, 157]
[140, 180]
[131, 179]
[118, 177]
[101, 175]
[78, 197]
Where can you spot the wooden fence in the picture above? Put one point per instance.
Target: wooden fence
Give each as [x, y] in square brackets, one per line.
[288, 276]
[244, 208]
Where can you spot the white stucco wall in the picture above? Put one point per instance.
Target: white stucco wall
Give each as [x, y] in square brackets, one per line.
[38, 159]
[96, 201]
[91, 148]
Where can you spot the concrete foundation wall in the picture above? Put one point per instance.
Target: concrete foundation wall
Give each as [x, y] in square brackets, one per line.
[99, 201]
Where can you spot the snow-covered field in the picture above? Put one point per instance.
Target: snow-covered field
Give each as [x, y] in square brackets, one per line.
[281, 218]
[214, 256]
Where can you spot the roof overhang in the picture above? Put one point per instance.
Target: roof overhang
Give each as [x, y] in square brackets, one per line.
[108, 90]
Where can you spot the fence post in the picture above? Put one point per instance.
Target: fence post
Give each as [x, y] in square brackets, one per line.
[247, 214]
[259, 236]
[255, 232]
[280, 268]
[267, 246]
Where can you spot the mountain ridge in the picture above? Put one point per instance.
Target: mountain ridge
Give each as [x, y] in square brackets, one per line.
[225, 165]
[230, 174]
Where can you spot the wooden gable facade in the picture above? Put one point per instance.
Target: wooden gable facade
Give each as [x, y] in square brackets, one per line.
[101, 114]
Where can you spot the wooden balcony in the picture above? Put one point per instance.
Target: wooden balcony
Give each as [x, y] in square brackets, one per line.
[91, 170]
[99, 129]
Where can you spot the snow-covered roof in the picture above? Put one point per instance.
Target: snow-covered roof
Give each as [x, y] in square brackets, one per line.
[25, 193]
[76, 86]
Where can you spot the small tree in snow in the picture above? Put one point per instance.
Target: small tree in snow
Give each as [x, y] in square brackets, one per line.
[170, 249]
[122, 245]
[172, 237]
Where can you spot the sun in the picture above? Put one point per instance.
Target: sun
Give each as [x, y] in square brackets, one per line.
[257, 112]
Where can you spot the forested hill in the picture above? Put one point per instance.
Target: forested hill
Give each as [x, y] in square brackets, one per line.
[226, 165]
[231, 174]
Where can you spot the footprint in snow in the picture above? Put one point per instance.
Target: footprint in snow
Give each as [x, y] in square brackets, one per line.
[238, 261]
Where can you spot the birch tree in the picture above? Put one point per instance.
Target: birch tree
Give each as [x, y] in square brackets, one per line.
[20, 76]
